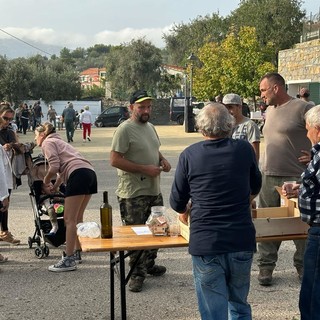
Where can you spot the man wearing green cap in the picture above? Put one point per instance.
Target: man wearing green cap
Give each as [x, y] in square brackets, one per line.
[135, 153]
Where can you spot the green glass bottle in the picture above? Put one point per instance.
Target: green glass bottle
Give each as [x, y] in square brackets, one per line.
[106, 217]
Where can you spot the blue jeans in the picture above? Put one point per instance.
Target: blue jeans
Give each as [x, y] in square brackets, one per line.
[222, 284]
[309, 302]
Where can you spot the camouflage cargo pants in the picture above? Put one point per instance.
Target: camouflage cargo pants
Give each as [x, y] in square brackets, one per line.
[136, 211]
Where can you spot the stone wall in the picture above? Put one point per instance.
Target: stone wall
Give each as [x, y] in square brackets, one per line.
[301, 62]
[300, 66]
[160, 112]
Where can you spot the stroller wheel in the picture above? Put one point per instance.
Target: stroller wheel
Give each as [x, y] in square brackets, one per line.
[39, 252]
[30, 242]
[46, 251]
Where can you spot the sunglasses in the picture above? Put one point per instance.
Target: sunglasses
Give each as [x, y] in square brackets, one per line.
[7, 119]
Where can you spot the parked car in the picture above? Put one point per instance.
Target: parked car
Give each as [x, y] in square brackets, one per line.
[177, 109]
[112, 117]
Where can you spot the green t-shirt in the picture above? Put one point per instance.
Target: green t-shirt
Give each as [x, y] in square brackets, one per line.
[140, 144]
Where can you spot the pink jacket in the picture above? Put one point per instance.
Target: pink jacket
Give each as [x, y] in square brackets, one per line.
[62, 157]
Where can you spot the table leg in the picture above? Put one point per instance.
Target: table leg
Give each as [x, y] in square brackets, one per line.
[123, 281]
[123, 286]
[112, 266]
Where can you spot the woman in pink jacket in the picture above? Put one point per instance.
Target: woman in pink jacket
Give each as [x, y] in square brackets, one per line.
[67, 165]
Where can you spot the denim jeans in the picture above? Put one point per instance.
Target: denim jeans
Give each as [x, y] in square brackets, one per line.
[222, 284]
[309, 302]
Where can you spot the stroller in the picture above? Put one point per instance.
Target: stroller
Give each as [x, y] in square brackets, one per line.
[43, 225]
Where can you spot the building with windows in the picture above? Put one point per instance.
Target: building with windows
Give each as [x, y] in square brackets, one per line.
[93, 76]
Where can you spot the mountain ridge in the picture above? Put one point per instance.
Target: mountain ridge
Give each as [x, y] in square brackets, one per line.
[11, 49]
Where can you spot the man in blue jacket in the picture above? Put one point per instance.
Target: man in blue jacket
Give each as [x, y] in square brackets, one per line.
[220, 177]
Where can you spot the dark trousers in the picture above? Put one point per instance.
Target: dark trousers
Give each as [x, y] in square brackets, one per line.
[25, 124]
[69, 130]
[136, 211]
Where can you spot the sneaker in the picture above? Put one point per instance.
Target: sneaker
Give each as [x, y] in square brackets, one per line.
[300, 273]
[157, 271]
[3, 259]
[8, 237]
[54, 229]
[84, 140]
[135, 284]
[71, 139]
[77, 256]
[65, 264]
[265, 277]
[88, 138]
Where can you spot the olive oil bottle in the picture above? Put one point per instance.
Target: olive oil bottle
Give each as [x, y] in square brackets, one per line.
[106, 217]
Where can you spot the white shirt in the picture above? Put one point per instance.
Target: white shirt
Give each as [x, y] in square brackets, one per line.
[86, 117]
[3, 177]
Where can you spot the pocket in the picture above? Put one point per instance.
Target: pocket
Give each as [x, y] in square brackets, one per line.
[240, 267]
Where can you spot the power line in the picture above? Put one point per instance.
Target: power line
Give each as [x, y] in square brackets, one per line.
[29, 44]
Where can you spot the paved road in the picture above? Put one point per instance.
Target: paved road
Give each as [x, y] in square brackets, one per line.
[29, 291]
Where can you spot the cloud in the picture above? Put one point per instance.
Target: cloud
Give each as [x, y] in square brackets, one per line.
[49, 36]
[126, 35]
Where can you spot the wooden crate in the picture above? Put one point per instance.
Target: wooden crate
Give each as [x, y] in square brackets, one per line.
[279, 223]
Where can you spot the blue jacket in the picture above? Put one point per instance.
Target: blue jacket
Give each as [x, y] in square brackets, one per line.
[218, 176]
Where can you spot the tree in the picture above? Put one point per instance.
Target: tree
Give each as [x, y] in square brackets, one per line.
[276, 22]
[168, 83]
[66, 56]
[94, 92]
[206, 80]
[234, 66]
[243, 62]
[133, 66]
[186, 38]
[99, 49]
[15, 80]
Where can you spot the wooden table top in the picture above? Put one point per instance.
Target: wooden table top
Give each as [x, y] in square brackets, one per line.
[124, 238]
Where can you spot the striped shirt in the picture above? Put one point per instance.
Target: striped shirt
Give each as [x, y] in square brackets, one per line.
[309, 193]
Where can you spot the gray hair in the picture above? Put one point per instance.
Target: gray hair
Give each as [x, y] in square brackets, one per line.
[312, 117]
[215, 121]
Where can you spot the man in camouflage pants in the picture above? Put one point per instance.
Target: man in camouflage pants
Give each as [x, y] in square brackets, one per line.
[135, 153]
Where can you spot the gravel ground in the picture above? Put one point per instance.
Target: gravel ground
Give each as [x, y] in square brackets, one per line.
[29, 291]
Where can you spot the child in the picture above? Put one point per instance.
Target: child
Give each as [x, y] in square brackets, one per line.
[53, 206]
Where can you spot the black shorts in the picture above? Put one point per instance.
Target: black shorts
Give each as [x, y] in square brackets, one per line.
[81, 181]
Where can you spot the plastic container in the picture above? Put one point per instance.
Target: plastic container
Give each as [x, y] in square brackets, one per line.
[157, 222]
[88, 230]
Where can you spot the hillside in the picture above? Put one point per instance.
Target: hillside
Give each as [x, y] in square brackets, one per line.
[12, 48]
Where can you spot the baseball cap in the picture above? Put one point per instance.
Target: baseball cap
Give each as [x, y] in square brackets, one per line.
[232, 98]
[139, 96]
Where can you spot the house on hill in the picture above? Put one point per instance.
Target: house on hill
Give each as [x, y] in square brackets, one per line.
[93, 76]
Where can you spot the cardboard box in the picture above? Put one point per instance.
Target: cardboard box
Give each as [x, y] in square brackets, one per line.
[272, 224]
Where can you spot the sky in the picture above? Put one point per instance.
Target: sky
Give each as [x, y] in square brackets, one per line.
[84, 23]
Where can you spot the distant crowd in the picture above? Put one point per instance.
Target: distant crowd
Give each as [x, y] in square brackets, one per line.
[28, 117]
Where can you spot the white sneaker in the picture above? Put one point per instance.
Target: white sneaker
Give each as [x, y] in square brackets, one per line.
[88, 138]
[65, 264]
[84, 140]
